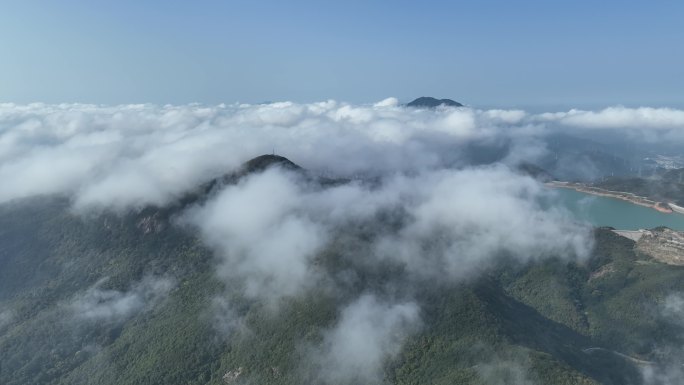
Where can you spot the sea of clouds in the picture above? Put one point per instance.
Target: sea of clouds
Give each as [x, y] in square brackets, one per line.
[456, 218]
[128, 156]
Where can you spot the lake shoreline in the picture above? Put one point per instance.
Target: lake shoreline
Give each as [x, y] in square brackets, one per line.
[662, 207]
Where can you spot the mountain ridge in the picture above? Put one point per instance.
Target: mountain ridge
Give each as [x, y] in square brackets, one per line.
[430, 102]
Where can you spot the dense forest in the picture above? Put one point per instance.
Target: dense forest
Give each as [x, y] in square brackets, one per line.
[135, 299]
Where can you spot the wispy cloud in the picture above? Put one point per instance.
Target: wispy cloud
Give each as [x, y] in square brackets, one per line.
[500, 370]
[668, 369]
[368, 333]
[6, 317]
[105, 305]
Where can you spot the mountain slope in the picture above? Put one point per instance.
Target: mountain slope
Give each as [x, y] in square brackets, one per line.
[134, 298]
[664, 187]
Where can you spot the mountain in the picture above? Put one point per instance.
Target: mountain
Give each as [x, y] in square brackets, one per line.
[666, 186]
[132, 298]
[430, 102]
[261, 163]
[535, 172]
[583, 159]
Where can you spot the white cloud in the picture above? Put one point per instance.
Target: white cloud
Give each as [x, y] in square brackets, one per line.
[389, 102]
[368, 333]
[98, 304]
[668, 369]
[224, 317]
[643, 123]
[132, 155]
[461, 220]
[262, 231]
[622, 117]
[674, 306]
[269, 228]
[6, 317]
[506, 116]
[505, 371]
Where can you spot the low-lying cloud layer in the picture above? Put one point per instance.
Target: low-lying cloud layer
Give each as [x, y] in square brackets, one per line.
[132, 155]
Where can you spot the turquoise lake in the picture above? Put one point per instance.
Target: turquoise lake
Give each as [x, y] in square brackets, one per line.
[604, 211]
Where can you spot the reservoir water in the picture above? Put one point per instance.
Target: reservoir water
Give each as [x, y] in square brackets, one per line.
[604, 211]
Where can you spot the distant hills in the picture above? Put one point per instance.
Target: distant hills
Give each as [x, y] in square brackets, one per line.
[430, 102]
[667, 186]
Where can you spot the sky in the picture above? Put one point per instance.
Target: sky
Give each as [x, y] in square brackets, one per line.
[481, 53]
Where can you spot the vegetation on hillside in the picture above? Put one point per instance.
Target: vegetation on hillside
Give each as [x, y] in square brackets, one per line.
[665, 187]
[134, 299]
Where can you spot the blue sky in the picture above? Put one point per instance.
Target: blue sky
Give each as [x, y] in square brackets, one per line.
[482, 53]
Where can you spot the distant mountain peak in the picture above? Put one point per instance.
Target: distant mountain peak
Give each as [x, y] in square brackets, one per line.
[252, 166]
[262, 162]
[430, 102]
